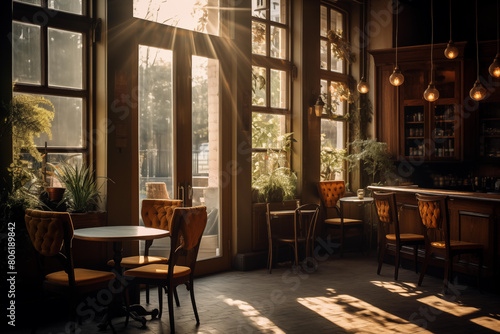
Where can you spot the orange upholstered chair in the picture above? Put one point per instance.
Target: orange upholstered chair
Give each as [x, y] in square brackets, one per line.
[387, 213]
[156, 213]
[186, 231]
[433, 212]
[51, 234]
[330, 192]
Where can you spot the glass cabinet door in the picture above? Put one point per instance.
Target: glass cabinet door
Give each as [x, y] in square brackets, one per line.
[444, 128]
[414, 131]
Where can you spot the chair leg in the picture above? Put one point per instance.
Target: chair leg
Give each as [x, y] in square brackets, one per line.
[396, 262]
[170, 297]
[448, 270]
[424, 266]
[415, 257]
[191, 292]
[270, 257]
[127, 305]
[381, 257]
[176, 297]
[160, 301]
[147, 293]
[341, 242]
[479, 269]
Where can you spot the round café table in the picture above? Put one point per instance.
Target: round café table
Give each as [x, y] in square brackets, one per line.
[360, 201]
[118, 234]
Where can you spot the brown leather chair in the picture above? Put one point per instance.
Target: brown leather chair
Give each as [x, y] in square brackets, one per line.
[330, 192]
[51, 234]
[434, 216]
[387, 213]
[186, 231]
[156, 213]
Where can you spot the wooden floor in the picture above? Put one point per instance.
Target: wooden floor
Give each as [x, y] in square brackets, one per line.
[342, 296]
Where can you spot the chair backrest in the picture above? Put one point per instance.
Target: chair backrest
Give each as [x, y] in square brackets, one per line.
[187, 229]
[387, 212]
[433, 212]
[51, 234]
[158, 213]
[330, 192]
[305, 222]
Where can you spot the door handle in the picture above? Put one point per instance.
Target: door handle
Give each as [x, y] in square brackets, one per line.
[180, 192]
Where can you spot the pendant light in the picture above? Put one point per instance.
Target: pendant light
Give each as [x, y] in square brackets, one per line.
[431, 94]
[451, 51]
[363, 86]
[494, 68]
[397, 78]
[478, 92]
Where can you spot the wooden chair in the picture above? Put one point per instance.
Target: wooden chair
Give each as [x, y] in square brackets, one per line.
[51, 234]
[156, 213]
[434, 216]
[330, 192]
[304, 230]
[388, 218]
[186, 231]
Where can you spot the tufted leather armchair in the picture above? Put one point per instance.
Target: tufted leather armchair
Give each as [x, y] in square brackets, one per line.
[186, 231]
[387, 213]
[51, 234]
[433, 211]
[330, 192]
[156, 213]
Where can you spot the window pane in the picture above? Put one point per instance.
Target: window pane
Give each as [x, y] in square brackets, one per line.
[323, 53]
[278, 89]
[267, 130]
[339, 96]
[336, 21]
[196, 15]
[31, 2]
[70, 6]
[337, 65]
[258, 38]
[323, 18]
[155, 118]
[265, 162]
[65, 58]
[278, 40]
[258, 86]
[259, 8]
[67, 126]
[74, 159]
[26, 61]
[278, 11]
[205, 155]
[332, 145]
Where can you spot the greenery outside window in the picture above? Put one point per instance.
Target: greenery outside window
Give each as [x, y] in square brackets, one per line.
[271, 72]
[334, 80]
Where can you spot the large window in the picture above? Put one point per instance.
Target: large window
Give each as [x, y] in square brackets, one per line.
[334, 81]
[271, 68]
[50, 58]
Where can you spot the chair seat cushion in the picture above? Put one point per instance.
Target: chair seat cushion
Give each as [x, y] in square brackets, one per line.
[82, 277]
[138, 260]
[406, 237]
[157, 271]
[455, 244]
[347, 221]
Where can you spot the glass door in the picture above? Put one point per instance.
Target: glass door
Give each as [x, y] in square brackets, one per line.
[179, 146]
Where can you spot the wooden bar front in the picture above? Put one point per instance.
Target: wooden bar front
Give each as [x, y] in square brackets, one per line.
[473, 217]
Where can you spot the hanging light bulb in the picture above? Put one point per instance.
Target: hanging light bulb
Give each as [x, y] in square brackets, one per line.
[478, 92]
[431, 94]
[451, 51]
[494, 68]
[397, 78]
[363, 86]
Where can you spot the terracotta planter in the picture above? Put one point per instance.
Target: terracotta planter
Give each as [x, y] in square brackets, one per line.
[55, 193]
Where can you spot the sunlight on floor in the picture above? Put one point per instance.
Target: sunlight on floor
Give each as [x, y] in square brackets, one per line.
[260, 322]
[448, 307]
[487, 322]
[351, 313]
[402, 288]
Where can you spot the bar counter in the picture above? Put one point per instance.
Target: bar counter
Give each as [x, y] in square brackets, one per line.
[473, 217]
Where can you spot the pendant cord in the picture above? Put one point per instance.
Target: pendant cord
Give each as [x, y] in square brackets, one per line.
[364, 42]
[397, 28]
[477, 47]
[432, 40]
[498, 31]
[450, 21]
